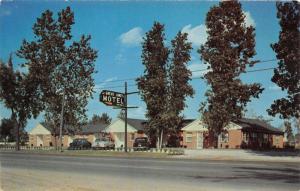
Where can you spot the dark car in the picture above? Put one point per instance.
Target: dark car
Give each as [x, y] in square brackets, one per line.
[79, 144]
[141, 143]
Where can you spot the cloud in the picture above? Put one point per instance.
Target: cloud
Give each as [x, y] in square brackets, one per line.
[5, 12]
[120, 58]
[133, 37]
[198, 69]
[102, 84]
[248, 19]
[196, 35]
[274, 88]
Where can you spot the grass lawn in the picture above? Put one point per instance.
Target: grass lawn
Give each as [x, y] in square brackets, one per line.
[95, 153]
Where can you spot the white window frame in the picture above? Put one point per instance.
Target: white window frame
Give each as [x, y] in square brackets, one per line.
[189, 137]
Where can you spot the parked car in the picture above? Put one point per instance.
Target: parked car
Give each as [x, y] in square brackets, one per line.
[103, 143]
[79, 144]
[141, 143]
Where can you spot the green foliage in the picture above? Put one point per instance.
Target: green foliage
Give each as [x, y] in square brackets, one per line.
[153, 85]
[164, 85]
[18, 93]
[104, 118]
[59, 65]
[287, 75]
[179, 77]
[289, 132]
[228, 50]
[8, 131]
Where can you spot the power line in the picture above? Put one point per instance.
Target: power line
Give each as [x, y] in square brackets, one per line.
[114, 87]
[131, 85]
[200, 70]
[258, 70]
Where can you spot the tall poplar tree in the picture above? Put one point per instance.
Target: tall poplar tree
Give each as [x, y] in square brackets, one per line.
[179, 77]
[228, 51]
[63, 69]
[287, 49]
[153, 84]
[164, 87]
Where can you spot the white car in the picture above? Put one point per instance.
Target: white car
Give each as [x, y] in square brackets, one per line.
[103, 143]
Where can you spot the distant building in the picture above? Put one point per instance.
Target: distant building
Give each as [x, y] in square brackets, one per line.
[41, 136]
[244, 133]
[135, 128]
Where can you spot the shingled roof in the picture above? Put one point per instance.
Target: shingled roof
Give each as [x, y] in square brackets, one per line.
[257, 125]
[93, 128]
[138, 124]
[86, 129]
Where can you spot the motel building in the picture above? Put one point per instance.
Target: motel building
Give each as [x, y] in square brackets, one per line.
[244, 133]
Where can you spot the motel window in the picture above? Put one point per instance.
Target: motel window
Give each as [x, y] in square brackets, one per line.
[189, 137]
[276, 140]
[245, 137]
[132, 136]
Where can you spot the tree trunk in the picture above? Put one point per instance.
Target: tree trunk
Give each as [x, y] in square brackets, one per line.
[161, 138]
[18, 137]
[16, 126]
[55, 141]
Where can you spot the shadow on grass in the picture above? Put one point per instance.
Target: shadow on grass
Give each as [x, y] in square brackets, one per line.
[275, 153]
[284, 175]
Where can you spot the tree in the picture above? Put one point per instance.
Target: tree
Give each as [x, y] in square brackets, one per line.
[164, 87]
[153, 84]
[18, 93]
[228, 50]
[289, 133]
[179, 77]
[121, 114]
[62, 68]
[7, 130]
[287, 75]
[104, 118]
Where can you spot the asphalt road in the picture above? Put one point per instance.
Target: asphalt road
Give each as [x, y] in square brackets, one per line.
[45, 172]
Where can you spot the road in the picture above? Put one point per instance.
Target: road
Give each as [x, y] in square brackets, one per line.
[21, 171]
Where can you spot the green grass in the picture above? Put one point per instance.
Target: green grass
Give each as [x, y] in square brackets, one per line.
[97, 153]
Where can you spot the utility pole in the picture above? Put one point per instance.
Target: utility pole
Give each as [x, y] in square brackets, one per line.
[108, 97]
[61, 120]
[125, 103]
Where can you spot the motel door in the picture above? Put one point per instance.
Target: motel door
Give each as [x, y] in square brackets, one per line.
[199, 140]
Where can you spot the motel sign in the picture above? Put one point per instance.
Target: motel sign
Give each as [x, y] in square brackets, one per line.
[111, 98]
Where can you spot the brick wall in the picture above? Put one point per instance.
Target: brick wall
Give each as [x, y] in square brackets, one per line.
[192, 143]
[235, 139]
[277, 141]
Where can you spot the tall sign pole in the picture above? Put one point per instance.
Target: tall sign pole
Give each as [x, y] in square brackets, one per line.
[125, 108]
[119, 101]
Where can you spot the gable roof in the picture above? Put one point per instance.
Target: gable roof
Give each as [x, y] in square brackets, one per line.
[138, 124]
[257, 125]
[93, 128]
[86, 129]
[39, 129]
[245, 124]
[195, 125]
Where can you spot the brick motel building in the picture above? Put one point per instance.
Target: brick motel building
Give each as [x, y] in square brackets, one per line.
[244, 133]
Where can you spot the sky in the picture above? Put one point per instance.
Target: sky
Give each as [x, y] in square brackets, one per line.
[117, 29]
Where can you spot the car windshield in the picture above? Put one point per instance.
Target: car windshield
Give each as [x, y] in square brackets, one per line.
[141, 140]
[102, 139]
